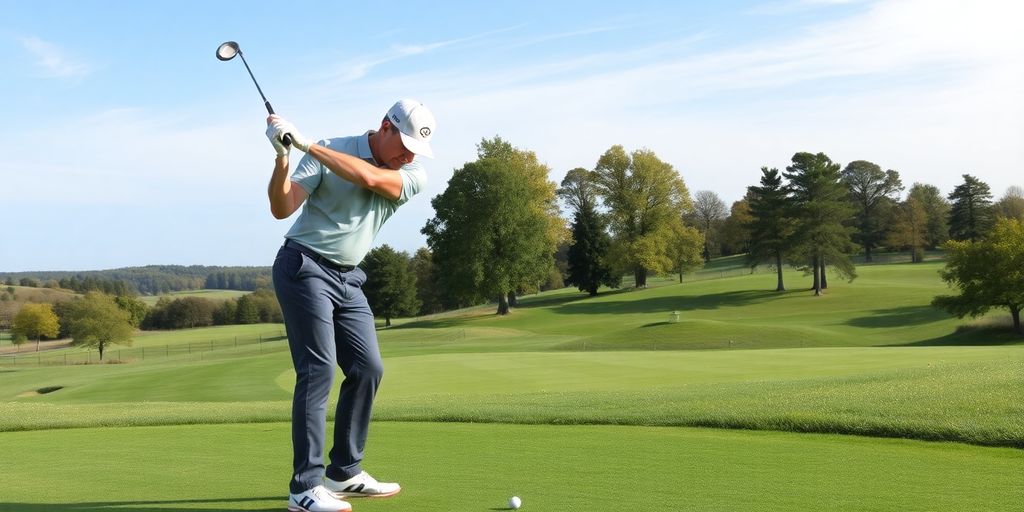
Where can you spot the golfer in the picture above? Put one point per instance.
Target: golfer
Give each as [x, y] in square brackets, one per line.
[347, 188]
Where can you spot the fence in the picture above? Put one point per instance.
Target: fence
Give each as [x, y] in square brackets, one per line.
[192, 351]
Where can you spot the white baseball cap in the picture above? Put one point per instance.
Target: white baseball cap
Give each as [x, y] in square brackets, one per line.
[416, 125]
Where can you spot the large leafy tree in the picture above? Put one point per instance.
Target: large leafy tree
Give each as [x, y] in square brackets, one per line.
[971, 213]
[821, 208]
[35, 321]
[936, 209]
[735, 229]
[496, 226]
[684, 249]
[422, 267]
[95, 320]
[771, 224]
[988, 272]
[709, 214]
[908, 229]
[587, 265]
[644, 197]
[1011, 205]
[873, 192]
[390, 286]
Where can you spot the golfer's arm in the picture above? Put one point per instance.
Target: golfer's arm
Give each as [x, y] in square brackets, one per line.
[285, 196]
[384, 182]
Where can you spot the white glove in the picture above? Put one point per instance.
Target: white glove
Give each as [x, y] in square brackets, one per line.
[282, 128]
[281, 149]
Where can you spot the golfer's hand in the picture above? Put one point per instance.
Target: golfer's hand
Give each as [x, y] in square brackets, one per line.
[275, 141]
[281, 127]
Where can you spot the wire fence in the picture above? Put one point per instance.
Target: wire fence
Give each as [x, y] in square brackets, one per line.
[260, 343]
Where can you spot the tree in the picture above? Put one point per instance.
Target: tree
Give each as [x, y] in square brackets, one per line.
[495, 227]
[908, 228]
[644, 197]
[735, 229]
[422, 267]
[587, 265]
[988, 272]
[1011, 206]
[821, 208]
[390, 287]
[35, 321]
[137, 310]
[96, 321]
[685, 248]
[246, 311]
[872, 191]
[971, 214]
[226, 313]
[936, 210]
[771, 226]
[708, 214]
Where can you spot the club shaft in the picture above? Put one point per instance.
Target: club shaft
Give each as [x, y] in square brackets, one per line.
[265, 102]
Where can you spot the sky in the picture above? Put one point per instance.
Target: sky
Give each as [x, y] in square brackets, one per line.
[125, 142]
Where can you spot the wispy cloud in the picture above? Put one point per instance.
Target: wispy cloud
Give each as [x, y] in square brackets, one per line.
[357, 69]
[53, 60]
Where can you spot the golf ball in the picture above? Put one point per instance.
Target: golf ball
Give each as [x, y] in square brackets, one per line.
[515, 502]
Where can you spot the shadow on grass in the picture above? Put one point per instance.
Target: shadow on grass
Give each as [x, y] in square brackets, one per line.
[971, 336]
[899, 317]
[146, 506]
[670, 303]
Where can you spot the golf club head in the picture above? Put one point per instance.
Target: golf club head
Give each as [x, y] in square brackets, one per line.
[228, 50]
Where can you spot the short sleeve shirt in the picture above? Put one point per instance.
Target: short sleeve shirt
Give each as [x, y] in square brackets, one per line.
[340, 219]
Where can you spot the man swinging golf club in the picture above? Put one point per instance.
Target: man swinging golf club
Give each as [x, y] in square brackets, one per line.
[347, 187]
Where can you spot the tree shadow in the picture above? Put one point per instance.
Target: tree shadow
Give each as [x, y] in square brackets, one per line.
[899, 317]
[970, 336]
[146, 506]
[669, 303]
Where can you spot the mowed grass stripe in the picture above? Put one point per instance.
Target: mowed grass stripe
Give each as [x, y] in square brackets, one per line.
[464, 467]
[959, 394]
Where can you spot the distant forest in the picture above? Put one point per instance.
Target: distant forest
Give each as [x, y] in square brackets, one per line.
[148, 280]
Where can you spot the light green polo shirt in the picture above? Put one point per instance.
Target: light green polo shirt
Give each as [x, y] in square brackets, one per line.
[339, 219]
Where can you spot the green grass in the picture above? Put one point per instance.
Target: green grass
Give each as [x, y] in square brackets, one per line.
[572, 402]
[205, 294]
[940, 393]
[464, 467]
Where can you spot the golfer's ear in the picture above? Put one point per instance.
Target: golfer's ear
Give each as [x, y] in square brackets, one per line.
[385, 124]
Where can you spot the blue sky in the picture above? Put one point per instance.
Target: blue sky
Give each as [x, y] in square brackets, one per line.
[125, 142]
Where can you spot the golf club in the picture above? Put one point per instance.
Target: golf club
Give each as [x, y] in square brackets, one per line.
[227, 51]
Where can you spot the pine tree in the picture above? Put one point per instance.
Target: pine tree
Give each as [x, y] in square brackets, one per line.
[588, 268]
[970, 216]
[820, 208]
[771, 227]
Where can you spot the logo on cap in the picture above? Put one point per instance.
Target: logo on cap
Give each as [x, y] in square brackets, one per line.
[425, 132]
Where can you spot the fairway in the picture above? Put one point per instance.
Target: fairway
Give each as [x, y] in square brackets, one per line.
[571, 402]
[463, 467]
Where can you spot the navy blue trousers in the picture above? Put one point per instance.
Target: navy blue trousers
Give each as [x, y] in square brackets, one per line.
[329, 323]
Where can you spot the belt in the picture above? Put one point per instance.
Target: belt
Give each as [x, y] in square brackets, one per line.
[317, 257]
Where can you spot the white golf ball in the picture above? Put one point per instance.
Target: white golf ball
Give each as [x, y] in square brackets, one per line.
[515, 502]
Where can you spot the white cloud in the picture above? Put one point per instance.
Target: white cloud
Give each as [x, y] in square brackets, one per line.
[53, 59]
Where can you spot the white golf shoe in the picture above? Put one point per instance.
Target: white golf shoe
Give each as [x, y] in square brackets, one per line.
[361, 486]
[317, 499]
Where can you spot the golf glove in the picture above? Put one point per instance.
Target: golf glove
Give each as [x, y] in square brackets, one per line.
[281, 127]
[281, 149]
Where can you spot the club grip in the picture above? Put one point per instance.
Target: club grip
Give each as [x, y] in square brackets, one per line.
[287, 139]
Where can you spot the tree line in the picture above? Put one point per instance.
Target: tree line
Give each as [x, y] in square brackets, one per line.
[499, 231]
[147, 280]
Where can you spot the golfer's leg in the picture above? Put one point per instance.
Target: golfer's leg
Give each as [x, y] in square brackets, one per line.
[359, 358]
[309, 321]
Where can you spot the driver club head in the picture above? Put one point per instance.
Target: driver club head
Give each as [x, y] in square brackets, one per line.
[228, 50]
